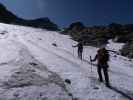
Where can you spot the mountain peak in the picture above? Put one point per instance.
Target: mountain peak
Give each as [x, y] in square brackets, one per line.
[8, 17]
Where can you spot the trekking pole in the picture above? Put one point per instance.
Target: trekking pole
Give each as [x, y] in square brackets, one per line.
[92, 82]
[91, 63]
[82, 55]
[73, 50]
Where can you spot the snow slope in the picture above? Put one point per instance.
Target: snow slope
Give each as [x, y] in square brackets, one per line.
[35, 63]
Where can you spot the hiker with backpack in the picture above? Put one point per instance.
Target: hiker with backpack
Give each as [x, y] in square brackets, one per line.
[80, 49]
[102, 58]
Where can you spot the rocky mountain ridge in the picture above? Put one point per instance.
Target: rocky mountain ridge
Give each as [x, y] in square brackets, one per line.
[99, 35]
[10, 18]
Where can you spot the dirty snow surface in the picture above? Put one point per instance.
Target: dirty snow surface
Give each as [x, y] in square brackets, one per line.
[36, 64]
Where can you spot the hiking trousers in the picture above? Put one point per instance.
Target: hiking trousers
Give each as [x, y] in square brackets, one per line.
[104, 68]
[80, 54]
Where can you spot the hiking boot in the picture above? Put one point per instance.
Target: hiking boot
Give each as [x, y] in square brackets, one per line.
[108, 85]
[100, 80]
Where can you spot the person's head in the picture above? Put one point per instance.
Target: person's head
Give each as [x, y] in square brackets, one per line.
[80, 41]
[103, 46]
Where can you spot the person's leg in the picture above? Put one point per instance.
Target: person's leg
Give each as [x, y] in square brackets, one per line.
[99, 69]
[105, 70]
[80, 54]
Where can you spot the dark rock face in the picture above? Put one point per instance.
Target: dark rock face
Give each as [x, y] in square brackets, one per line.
[9, 18]
[6, 16]
[89, 35]
[40, 23]
[77, 26]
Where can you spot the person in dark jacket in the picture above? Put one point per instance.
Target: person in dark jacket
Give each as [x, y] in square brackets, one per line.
[102, 58]
[80, 49]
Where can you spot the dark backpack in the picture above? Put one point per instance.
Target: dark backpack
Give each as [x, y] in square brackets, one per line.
[103, 55]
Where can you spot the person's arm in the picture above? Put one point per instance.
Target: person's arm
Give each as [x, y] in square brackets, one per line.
[75, 45]
[94, 59]
[114, 52]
